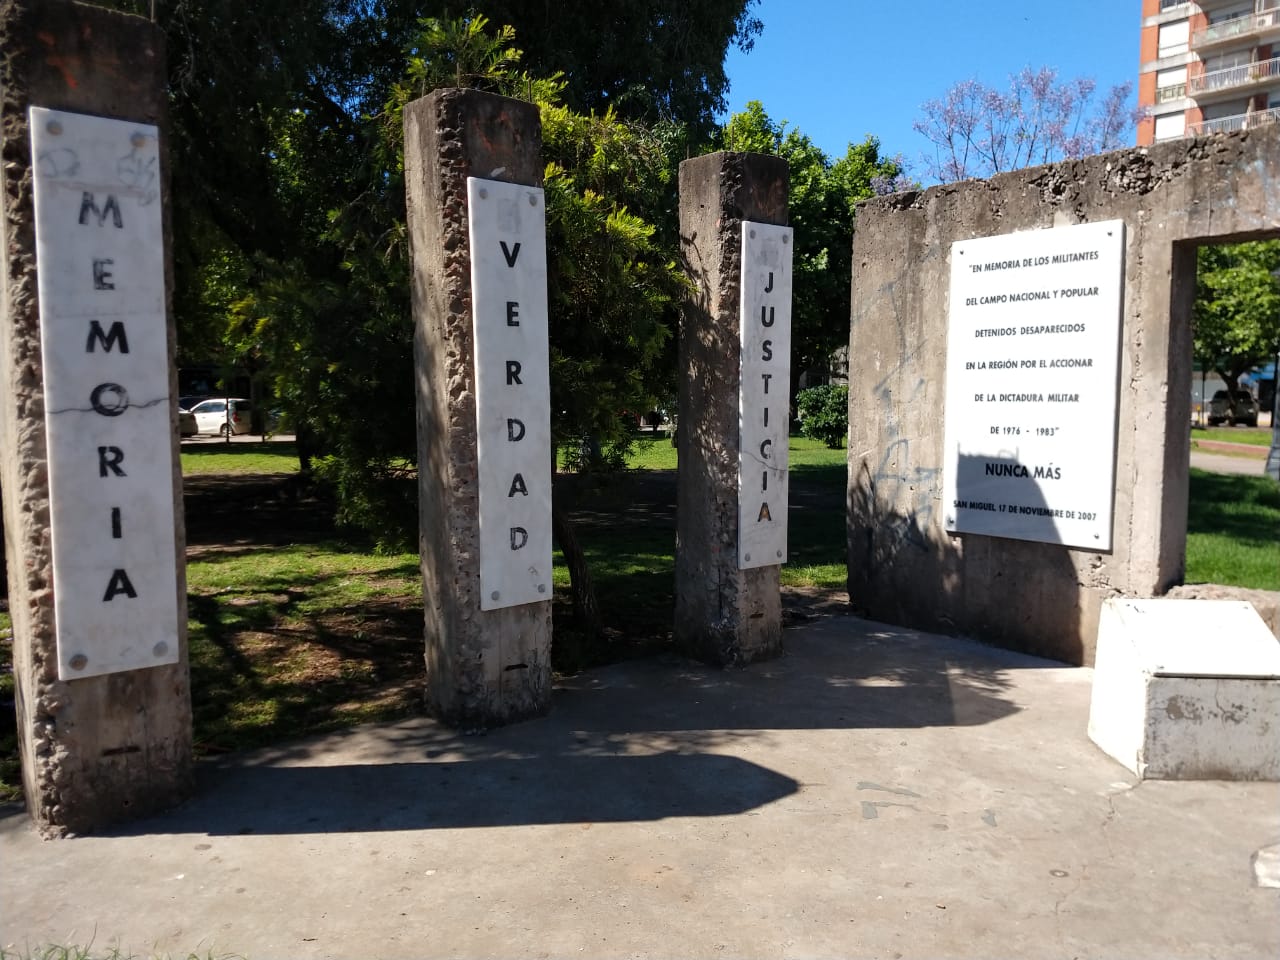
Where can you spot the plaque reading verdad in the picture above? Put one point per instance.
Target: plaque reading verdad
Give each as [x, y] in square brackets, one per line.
[108, 409]
[1033, 349]
[507, 224]
[764, 322]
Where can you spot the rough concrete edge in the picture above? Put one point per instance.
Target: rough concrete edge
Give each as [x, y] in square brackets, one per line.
[26, 491]
[458, 692]
[721, 641]
[166, 777]
[1131, 168]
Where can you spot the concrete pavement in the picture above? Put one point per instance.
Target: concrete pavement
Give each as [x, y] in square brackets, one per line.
[876, 792]
[1218, 463]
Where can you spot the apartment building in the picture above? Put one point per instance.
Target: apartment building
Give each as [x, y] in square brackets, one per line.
[1208, 66]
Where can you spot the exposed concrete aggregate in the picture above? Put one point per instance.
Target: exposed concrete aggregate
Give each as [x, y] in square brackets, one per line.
[451, 135]
[99, 749]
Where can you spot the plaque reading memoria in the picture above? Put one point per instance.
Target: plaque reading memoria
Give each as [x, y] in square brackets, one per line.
[108, 408]
[764, 320]
[1033, 349]
[513, 390]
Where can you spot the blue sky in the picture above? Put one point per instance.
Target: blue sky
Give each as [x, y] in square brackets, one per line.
[840, 69]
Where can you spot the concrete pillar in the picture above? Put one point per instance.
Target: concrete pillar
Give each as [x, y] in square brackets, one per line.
[484, 666]
[724, 614]
[106, 747]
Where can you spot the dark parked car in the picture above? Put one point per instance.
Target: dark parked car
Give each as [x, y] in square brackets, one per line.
[1238, 407]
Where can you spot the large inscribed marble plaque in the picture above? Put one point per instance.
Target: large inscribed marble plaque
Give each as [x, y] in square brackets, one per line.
[108, 410]
[513, 390]
[763, 413]
[1033, 348]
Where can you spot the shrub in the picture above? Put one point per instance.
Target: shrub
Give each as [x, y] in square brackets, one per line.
[824, 414]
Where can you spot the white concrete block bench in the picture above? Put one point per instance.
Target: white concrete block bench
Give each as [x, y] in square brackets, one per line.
[1187, 690]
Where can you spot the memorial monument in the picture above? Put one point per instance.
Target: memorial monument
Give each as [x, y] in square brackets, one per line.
[1019, 364]
[476, 218]
[735, 375]
[92, 487]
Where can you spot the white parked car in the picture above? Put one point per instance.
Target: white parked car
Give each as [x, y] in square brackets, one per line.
[223, 416]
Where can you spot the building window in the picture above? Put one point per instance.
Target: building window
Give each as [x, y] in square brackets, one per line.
[1228, 61]
[1173, 38]
[1171, 125]
[1171, 84]
[1221, 16]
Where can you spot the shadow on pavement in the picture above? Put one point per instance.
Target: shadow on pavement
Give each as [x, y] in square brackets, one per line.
[638, 741]
[491, 792]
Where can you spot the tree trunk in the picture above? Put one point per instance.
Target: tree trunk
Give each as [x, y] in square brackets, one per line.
[586, 612]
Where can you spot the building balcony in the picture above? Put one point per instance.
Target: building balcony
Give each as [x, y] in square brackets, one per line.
[1241, 121]
[1235, 79]
[1254, 27]
[1175, 91]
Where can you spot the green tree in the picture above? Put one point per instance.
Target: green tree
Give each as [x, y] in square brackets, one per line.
[823, 195]
[288, 200]
[651, 60]
[823, 412]
[341, 345]
[1236, 315]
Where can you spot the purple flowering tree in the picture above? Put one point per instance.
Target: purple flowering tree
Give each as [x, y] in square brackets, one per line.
[977, 130]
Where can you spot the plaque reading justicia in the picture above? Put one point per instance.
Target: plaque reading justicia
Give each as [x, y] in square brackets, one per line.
[1033, 350]
[764, 394]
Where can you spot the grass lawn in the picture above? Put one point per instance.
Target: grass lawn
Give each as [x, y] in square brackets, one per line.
[300, 637]
[1233, 531]
[216, 457]
[657, 453]
[1254, 436]
[816, 546]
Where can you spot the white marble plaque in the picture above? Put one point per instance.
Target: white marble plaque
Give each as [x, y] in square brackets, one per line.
[1033, 349]
[764, 320]
[108, 410]
[513, 390]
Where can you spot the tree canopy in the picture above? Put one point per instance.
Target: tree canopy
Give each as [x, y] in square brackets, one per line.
[977, 130]
[822, 200]
[1236, 315]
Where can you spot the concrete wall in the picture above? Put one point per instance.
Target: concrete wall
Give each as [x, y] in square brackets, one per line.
[903, 568]
[103, 748]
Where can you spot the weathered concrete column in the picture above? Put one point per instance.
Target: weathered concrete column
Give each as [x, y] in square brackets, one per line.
[92, 487]
[484, 666]
[724, 614]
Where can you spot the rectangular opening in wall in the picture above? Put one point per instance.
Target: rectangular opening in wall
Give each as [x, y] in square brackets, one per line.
[1233, 508]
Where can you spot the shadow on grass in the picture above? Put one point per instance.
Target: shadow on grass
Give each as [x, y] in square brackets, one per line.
[263, 669]
[1244, 508]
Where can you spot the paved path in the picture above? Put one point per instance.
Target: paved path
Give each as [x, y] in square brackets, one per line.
[875, 792]
[1222, 464]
